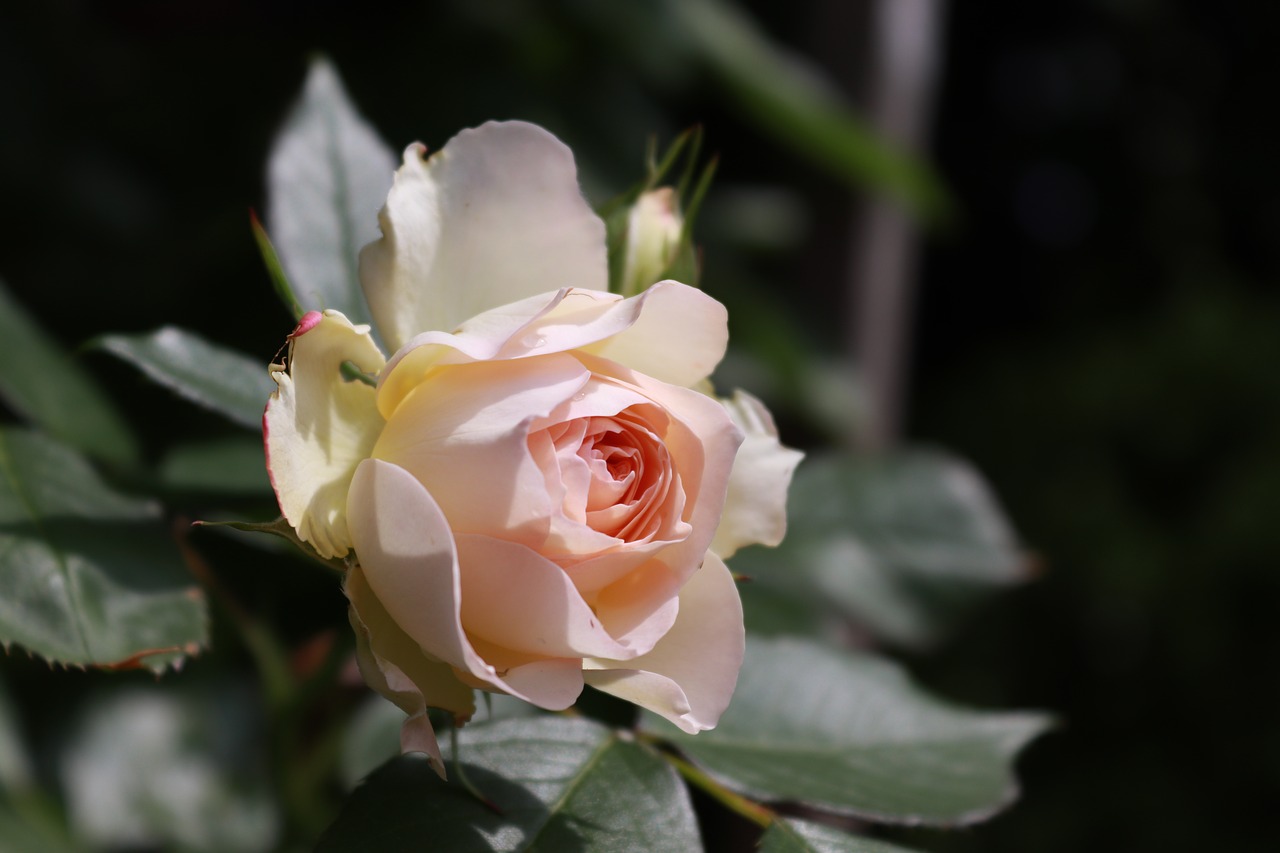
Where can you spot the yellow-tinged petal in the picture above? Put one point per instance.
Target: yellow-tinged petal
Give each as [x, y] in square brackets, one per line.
[493, 217]
[463, 433]
[755, 510]
[690, 674]
[410, 559]
[671, 332]
[395, 666]
[318, 426]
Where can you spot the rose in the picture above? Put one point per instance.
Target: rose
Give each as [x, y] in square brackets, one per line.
[654, 230]
[536, 498]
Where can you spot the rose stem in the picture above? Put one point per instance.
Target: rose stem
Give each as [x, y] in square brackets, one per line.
[301, 794]
[735, 803]
[462, 776]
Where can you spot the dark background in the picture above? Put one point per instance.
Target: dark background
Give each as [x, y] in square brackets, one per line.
[1097, 331]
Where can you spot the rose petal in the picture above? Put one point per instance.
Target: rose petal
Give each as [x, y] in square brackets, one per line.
[690, 674]
[514, 597]
[554, 684]
[679, 337]
[463, 432]
[671, 332]
[394, 666]
[318, 426]
[755, 511]
[641, 606]
[702, 440]
[408, 556]
[492, 218]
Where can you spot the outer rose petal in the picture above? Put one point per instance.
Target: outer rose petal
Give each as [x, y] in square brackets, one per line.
[393, 665]
[317, 427]
[755, 511]
[463, 433]
[518, 599]
[492, 218]
[690, 674]
[679, 337]
[672, 332]
[410, 561]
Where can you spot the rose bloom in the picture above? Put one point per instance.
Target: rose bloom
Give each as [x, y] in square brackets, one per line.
[538, 494]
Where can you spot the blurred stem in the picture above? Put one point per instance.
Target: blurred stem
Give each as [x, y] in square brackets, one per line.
[462, 774]
[736, 803]
[902, 56]
[299, 776]
[39, 810]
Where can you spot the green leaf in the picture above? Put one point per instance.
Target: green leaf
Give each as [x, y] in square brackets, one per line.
[791, 100]
[44, 384]
[561, 783]
[791, 835]
[229, 465]
[903, 544]
[371, 739]
[159, 768]
[772, 611]
[88, 576]
[327, 178]
[227, 382]
[850, 734]
[373, 735]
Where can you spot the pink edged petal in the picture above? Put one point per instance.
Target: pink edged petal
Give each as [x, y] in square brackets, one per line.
[679, 335]
[690, 675]
[755, 510]
[518, 599]
[463, 432]
[394, 666]
[493, 217]
[408, 556]
[318, 426]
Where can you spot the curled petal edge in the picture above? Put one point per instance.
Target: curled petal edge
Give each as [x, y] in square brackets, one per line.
[493, 217]
[689, 676]
[410, 560]
[755, 508]
[395, 667]
[671, 332]
[317, 426]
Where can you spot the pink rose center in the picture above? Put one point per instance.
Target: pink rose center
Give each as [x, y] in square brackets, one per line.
[616, 473]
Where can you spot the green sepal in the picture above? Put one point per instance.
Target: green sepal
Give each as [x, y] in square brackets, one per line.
[281, 528]
[275, 270]
[616, 212]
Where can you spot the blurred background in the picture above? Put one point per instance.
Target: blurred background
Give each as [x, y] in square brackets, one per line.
[1077, 293]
